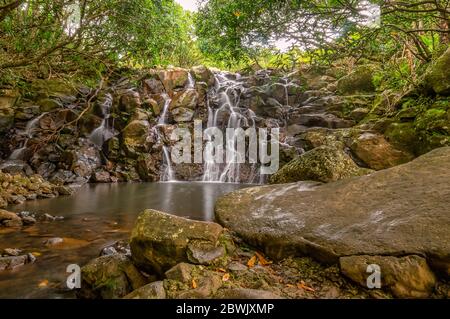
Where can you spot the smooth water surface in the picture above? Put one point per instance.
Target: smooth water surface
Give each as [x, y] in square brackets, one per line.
[94, 217]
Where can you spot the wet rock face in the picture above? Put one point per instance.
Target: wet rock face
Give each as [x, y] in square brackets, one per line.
[173, 78]
[159, 241]
[109, 277]
[398, 211]
[405, 277]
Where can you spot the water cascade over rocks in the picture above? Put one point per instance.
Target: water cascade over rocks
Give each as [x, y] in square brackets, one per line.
[122, 131]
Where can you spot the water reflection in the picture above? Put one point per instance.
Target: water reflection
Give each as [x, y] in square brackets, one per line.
[98, 215]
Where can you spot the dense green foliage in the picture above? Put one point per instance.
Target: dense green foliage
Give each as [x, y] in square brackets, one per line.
[326, 29]
[72, 36]
[78, 37]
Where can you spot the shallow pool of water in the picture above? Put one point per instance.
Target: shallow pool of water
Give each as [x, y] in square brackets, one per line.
[94, 217]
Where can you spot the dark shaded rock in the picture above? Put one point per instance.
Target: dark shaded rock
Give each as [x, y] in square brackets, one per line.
[321, 120]
[109, 277]
[397, 211]
[438, 77]
[159, 241]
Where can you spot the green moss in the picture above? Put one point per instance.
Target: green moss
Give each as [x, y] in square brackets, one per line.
[360, 80]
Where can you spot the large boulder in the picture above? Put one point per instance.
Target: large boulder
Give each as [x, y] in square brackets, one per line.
[109, 277]
[160, 241]
[358, 81]
[438, 75]
[322, 164]
[377, 153]
[394, 212]
[405, 277]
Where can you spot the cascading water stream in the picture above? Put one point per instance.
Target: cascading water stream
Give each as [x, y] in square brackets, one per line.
[168, 174]
[17, 154]
[105, 131]
[227, 93]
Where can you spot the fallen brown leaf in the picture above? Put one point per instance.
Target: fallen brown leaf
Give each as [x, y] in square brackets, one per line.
[263, 261]
[302, 285]
[251, 263]
[226, 277]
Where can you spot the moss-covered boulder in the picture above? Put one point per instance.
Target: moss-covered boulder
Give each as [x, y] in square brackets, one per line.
[109, 277]
[160, 241]
[421, 125]
[322, 164]
[359, 81]
[438, 75]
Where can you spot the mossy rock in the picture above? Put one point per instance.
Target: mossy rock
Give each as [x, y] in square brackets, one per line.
[109, 277]
[438, 75]
[160, 241]
[359, 81]
[322, 164]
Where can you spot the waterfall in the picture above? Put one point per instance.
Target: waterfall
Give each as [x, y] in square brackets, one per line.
[191, 81]
[105, 131]
[18, 154]
[226, 96]
[168, 174]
